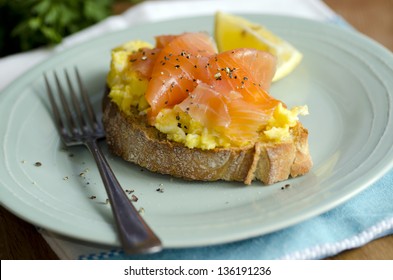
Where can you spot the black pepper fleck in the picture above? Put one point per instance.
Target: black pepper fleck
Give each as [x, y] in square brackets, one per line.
[217, 76]
[285, 186]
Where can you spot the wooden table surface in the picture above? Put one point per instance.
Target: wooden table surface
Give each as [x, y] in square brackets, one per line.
[20, 240]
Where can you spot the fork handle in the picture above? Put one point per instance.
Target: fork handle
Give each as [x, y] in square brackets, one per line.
[135, 235]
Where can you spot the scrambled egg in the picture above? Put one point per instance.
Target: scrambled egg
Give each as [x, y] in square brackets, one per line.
[127, 89]
[180, 127]
[277, 128]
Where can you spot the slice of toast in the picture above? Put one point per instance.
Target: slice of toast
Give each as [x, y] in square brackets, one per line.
[133, 139]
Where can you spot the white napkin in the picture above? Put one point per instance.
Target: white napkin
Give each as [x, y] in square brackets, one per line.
[151, 11]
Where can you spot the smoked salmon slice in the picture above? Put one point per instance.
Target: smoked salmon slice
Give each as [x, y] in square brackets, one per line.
[142, 61]
[226, 91]
[173, 75]
[207, 106]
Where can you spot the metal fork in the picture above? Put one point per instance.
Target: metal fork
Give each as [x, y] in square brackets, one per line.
[78, 126]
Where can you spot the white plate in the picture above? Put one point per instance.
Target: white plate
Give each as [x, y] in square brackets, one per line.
[345, 79]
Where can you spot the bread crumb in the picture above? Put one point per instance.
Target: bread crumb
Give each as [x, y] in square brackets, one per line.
[83, 173]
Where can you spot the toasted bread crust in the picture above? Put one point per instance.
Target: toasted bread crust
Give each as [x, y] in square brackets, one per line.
[131, 138]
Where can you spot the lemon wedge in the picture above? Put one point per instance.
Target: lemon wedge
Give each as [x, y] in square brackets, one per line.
[231, 32]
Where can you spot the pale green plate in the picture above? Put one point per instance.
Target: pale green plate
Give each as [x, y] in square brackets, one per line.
[344, 78]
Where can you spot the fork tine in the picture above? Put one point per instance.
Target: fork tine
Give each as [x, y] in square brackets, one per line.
[75, 102]
[60, 125]
[86, 100]
[70, 119]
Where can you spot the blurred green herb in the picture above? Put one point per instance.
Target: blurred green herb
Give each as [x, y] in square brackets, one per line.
[27, 24]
